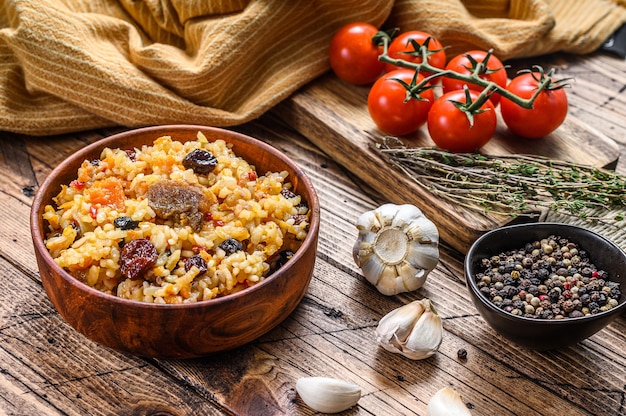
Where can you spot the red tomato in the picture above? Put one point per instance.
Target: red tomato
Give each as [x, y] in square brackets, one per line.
[548, 112]
[466, 64]
[450, 128]
[354, 56]
[387, 106]
[402, 44]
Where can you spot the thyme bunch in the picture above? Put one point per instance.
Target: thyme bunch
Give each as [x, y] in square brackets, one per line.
[511, 185]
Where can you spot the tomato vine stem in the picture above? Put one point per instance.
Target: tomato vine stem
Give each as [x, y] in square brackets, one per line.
[545, 80]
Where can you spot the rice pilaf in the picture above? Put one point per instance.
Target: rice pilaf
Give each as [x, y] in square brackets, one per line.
[174, 222]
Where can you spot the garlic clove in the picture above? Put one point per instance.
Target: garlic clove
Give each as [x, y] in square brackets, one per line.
[447, 402]
[369, 220]
[396, 248]
[422, 256]
[426, 336]
[411, 278]
[413, 330]
[328, 395]
[404, 214]
[395, 327]
[388, 282]
[423, 231]
[373, 270]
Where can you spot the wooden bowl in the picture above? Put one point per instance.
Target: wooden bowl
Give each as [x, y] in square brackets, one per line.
[181, 330]
[542, 334]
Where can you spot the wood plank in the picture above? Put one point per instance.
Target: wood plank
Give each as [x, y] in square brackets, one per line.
[53, 365]
[333, 115]
[330, 333]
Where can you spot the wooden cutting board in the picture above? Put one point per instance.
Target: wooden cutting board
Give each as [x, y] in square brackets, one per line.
[333, 115]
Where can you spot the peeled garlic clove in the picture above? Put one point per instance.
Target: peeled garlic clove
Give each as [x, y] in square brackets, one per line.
[328, 395]
[413, 330]
[396, 248]
[447, 402]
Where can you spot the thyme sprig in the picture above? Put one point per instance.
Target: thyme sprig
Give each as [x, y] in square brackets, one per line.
[511, 185]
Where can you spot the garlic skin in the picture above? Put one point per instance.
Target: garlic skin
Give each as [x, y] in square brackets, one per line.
[447, 402]
[413, 330]
[328, 395]
[396, 248]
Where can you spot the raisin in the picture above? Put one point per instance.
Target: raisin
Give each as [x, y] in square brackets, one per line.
[231, 246]
[201, 161]
[287, 193]
[131, 154]
[283, 258]
[198, 261]
[137, 257]
[298, 219]
[76, 228]
[278, 260]
[125, 223]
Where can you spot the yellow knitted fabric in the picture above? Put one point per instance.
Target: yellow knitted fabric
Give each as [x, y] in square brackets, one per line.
[71, 65]
[514, 28]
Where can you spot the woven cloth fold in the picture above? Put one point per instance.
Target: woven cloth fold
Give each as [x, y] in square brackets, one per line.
[513, 28]
[72, 65]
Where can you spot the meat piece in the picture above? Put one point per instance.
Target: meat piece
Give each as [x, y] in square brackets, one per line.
[182, 203]
[137, 257]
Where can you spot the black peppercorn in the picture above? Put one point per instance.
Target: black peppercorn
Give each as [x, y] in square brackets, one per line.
[548, 279]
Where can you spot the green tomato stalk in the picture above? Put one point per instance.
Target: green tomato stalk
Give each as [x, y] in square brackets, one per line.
[544, 80]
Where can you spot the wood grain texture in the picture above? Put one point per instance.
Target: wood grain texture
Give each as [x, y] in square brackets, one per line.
[47, 368]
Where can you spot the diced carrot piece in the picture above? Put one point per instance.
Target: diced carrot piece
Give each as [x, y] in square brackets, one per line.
[108, 191]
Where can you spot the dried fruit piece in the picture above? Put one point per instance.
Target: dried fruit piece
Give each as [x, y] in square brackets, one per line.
[198, 261]
[125, 223]
[231, 246]
[200, 161]
[137, 257]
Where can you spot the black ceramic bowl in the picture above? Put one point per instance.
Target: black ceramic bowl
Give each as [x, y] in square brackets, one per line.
[542, 334]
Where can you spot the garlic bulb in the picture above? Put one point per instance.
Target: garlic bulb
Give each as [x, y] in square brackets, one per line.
[447, 402]
[328, 395]
[396, 248]
[413, 330]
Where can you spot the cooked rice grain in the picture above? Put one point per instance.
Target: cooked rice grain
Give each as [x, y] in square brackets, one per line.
[242, 205]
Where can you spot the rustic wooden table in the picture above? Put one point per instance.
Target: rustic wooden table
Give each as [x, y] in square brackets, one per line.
[47, 368]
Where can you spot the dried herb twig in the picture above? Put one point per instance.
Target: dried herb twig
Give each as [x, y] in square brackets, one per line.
[515, 185]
